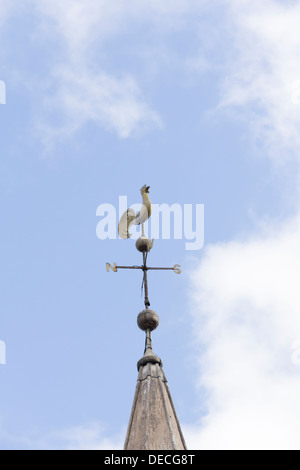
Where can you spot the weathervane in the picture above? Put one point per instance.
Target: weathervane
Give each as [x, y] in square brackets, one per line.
[148, 319]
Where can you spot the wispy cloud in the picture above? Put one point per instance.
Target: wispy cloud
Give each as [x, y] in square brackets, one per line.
[82, 86]
[261, 76]
[87, 437]
[81, 96]
[90, 436]
[6, 8]
[81, 24]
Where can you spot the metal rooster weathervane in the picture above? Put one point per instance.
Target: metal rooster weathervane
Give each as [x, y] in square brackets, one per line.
[143, 244]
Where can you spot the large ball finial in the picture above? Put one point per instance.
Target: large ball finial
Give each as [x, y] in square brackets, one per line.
[148, 320]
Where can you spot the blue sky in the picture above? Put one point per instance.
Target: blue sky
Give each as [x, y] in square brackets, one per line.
[202, 103]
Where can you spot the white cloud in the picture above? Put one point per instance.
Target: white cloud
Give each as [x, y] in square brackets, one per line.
[246, 292]
[84, 88]
[90, 436]
[262, 76]
[81, 96]
[247, 317]
[81, 23]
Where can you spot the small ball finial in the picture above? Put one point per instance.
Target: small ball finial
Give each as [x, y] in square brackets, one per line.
[144, 244]
[147, 320]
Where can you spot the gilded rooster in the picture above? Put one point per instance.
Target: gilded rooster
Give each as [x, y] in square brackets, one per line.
[131, 218]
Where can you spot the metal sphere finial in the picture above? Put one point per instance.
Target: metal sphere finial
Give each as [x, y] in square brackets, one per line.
[147, 320]
[144, 244]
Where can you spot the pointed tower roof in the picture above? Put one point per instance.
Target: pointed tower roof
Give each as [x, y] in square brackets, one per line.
[153, 423]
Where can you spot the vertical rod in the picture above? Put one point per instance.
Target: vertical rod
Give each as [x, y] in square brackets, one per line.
[148, 341]
[147, 303]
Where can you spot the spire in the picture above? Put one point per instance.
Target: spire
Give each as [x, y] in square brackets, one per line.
[153, 423]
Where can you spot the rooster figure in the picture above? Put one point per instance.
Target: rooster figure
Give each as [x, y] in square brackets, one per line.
[131, 218]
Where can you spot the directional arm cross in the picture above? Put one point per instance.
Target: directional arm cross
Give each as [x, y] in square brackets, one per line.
[145, 269]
